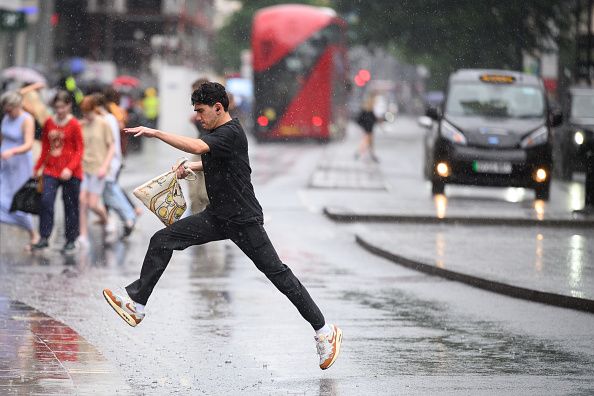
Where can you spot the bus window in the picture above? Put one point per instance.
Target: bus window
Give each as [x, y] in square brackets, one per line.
[303, 86]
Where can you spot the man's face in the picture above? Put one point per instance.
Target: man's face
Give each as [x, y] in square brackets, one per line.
[208, 116]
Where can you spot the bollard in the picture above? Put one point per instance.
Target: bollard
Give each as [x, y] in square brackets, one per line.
[588, 154]
[589, 204]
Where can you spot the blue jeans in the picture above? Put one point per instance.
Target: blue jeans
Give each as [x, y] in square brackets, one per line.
[70, 193]
[115, 199]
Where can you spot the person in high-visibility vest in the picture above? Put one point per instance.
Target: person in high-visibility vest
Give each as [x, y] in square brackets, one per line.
[150, 106]
[76, 93]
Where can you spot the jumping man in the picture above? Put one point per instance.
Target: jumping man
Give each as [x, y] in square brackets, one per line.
[233, 213]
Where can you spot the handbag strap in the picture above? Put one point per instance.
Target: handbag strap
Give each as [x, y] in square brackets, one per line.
[182, 161]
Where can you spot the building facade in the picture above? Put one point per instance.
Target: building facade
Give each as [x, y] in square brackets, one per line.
[137, 36]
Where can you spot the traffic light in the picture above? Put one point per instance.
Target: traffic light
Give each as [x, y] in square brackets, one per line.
[362, 77]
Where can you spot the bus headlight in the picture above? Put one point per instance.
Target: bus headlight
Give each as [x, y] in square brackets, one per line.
[578, 138]
[317, 121]
[538, 137]
[452, 134]
[262, 121]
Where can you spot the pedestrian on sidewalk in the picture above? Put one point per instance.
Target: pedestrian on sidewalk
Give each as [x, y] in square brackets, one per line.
[60, 162]
[367, 119]
[150, 106]
[233, 213]
[16, 161]
[114, 196]
[98, 152]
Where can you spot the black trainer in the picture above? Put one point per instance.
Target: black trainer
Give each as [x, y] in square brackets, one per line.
[41, 244]
[69, 247]
[128, 230]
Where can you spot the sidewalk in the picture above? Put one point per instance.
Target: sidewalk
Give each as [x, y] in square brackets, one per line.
[498, 239]
[40, 355]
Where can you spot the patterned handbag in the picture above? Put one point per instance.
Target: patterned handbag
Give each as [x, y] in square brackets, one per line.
[163, 195]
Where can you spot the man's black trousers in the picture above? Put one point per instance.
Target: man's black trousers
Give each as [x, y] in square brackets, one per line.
[251, 238]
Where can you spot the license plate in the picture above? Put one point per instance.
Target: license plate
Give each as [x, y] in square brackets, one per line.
[492, 167]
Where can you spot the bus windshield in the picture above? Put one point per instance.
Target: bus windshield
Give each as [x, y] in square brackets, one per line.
[582, 106]
[495, 100]
[277, 86]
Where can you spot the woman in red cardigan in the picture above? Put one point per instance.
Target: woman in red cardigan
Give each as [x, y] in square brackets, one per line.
[61, 161]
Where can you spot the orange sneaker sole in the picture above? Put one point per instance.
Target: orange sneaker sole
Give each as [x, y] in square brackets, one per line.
[338, 344]
[123, 314]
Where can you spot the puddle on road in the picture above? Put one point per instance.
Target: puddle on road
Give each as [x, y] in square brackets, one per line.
[418, 338]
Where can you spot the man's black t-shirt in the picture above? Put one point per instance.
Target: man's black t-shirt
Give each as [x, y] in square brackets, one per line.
[227, 174]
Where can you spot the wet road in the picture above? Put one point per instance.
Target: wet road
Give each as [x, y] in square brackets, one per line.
[565, 267]
[216, 326]
[39, 355]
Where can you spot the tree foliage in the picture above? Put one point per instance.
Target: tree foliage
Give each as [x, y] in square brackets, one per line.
[445, 35]
[452, 34]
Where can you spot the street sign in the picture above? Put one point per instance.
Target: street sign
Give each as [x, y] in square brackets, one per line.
[12, 20]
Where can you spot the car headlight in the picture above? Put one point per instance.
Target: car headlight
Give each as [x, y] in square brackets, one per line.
[579, 137]
[538, 137]
[451, 133]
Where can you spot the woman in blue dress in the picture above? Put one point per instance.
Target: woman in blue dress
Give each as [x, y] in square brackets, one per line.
[16, 163]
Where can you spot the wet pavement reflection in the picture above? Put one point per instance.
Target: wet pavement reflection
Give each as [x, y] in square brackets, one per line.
[559, 261]
[487, 347]
[215, 325]
[209, 264]
[40, 355]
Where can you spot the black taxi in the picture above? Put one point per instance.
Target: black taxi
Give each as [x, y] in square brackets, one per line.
[493, 129]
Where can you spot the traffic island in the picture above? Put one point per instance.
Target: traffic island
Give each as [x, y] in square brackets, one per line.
[482, 282]
[350, 216]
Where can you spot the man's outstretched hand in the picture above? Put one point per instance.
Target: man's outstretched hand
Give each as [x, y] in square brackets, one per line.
[141, 131]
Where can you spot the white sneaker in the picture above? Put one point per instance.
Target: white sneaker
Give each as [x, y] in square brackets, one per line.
[83, 241]
[124, 307]
[111, 232]
[328, 347]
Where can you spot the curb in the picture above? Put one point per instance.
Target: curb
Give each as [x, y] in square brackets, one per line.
[559, 300]
[344, 217]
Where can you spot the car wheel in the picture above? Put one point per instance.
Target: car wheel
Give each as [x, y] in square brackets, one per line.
[542, 191]
[437, 187]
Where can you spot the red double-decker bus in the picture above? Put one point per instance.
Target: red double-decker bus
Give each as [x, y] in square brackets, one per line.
[300, 73]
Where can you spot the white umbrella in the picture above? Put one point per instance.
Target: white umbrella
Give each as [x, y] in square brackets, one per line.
[23, 74]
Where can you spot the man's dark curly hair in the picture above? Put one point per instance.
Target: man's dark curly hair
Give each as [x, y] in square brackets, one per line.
[210, 93]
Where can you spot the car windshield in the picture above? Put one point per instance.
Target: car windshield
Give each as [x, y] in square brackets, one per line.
[495, 100]
[582, 106]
